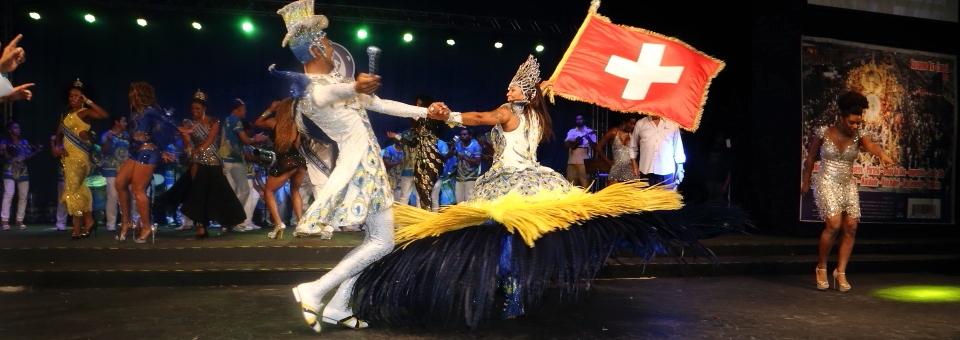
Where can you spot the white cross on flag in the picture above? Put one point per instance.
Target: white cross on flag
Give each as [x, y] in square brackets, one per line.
[630, 69]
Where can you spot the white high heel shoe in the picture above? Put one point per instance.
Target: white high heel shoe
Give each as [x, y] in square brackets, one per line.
[310, 314]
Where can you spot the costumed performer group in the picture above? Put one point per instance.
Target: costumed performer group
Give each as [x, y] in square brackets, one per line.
[525, 229]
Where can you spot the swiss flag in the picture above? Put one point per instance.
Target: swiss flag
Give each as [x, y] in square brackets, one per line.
[630, 69]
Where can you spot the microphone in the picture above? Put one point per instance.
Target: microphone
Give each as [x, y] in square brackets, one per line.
[373, 53]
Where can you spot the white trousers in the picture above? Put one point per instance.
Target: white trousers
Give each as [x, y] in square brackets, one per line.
[464, 190]
[377, 243]
[251, 203]
[406, 188]
[22, 188]
[236, 174]
[61, 222]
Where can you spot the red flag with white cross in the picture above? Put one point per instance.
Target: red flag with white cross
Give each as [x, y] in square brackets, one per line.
[629, 69]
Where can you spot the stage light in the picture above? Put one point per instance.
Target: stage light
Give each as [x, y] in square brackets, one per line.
[196, 25]
[362, 33]
[247, 26]
[90, 18]
[142, 22]
[451, 42]
[407, 37]
[539, 48]
[920, 294]
[498, 45]
[34, 15]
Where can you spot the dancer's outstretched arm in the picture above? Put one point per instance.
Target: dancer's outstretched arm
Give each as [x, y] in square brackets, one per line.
[501, 115]
[329, 94]
[395, 108]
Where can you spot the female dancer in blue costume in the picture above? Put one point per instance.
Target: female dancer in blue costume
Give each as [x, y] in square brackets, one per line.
[151, 132]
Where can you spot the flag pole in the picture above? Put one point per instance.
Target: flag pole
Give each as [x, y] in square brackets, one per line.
[594, 6]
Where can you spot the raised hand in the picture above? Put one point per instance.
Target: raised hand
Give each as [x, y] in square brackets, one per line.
[274, 105]
[13, 55]
[367, 84]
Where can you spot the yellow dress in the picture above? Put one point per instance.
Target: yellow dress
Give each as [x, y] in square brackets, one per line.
[76, 166]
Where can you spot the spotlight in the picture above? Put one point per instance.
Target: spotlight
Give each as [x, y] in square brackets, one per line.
[34, 15]
[497, 45]
[451, 42]
[90, 18]
[539, 48]
[362, 33]
[142, 22]
[247, 27]
[196, 25]
[407, 37]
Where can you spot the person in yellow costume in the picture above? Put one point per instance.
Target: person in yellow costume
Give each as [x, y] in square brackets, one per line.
[76, 139]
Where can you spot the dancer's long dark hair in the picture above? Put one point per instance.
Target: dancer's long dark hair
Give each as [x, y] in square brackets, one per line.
[539, 105]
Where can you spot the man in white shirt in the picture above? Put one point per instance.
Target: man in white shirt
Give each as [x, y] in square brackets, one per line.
[580, 140]
[10, 59]
[658, 150]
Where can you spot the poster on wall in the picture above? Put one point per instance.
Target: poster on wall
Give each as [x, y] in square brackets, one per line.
[912, 116]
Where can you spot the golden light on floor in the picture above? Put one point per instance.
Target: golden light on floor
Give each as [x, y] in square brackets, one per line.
[920, 294]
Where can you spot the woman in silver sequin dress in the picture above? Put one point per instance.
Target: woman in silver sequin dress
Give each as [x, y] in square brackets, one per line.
[204, 191]
[622, 167]
[835, 189]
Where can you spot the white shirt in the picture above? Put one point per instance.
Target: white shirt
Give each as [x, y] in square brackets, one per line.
[5, 86]
[657, 146]
[578, 154]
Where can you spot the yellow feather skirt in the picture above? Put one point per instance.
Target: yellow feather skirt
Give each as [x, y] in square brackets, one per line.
[533, 216]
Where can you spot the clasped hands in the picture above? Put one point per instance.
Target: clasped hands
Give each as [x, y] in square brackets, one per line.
[438, 111]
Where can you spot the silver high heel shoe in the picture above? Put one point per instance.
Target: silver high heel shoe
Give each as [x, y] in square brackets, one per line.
[842, 287]
[821, 285]
[277, 232]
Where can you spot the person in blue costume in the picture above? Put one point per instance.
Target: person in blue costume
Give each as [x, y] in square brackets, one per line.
[151, 132]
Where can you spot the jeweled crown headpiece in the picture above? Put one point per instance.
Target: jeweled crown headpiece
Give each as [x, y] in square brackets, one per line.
[527, 78]
[199, 96]
[77, 84]
[304, 29]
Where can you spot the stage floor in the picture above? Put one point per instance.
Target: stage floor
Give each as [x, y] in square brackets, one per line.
[739, 307]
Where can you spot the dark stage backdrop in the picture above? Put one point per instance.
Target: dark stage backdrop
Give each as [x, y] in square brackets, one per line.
[227, 63]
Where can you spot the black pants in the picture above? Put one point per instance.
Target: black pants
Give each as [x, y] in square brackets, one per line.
[669, 180]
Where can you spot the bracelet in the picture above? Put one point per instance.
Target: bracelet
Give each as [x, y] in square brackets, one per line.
[266, 114]
[88, 101]
[455, 118]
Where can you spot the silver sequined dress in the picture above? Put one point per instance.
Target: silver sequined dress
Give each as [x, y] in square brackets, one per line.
[207, 155]
[515, 167]
[835, 188]
[621, 170]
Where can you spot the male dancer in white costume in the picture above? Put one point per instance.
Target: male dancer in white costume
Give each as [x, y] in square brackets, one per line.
[357, 190]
